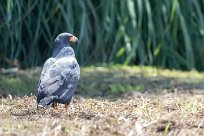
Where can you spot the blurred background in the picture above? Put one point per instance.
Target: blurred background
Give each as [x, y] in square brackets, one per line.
[162, 33]
[141, 66]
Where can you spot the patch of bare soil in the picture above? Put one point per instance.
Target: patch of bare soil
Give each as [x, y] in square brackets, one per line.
[133, 114]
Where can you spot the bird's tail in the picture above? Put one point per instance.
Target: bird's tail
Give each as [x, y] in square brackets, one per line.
[46, 102]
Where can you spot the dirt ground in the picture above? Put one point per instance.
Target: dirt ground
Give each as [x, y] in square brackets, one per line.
[133, 114]
[116, 101]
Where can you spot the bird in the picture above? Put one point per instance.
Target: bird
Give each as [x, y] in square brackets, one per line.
[60, 74]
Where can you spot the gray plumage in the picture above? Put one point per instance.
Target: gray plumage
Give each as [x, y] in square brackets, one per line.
[60, 74]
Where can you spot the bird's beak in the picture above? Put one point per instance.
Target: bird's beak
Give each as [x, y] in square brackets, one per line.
[73, 39]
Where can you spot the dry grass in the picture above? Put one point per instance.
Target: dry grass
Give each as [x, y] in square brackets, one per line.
[108, 102]
[134, 114]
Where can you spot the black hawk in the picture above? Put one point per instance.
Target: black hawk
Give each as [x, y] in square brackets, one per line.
[60, 74]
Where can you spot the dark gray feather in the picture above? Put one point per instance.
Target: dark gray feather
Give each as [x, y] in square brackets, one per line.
[59, 77]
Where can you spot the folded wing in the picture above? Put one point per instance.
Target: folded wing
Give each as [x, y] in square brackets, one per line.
[58, 81]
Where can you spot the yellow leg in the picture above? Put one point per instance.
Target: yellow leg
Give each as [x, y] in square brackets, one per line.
[66, 105]
[54, 105]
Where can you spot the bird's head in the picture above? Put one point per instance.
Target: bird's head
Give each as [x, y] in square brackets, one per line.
[64, 39]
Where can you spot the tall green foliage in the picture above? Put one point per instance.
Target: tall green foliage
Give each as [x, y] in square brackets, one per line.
[164, 33]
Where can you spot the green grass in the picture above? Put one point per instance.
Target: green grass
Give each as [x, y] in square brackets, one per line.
[167, 34]
[110, 81]
[19, 86]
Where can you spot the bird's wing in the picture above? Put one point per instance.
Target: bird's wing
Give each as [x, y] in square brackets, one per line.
[46, 67]
[63, 72]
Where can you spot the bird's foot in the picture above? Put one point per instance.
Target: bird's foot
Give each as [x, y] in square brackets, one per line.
[66, 105]
[54, 105]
